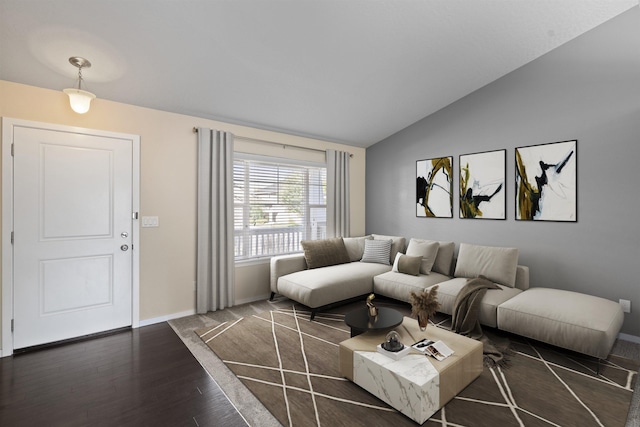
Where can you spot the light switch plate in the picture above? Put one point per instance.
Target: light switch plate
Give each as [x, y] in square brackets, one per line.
[150, 221]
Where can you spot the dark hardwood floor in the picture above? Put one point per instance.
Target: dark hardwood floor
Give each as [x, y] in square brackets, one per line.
[140, 377]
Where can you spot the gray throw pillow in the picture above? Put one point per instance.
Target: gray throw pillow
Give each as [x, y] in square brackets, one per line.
[407, 264]
[444, 259]
[321, 253]
[376, 251]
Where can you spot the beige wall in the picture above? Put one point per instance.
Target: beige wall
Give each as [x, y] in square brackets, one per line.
[168, 187]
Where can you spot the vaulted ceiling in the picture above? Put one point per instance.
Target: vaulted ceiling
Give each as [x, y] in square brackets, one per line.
[350, 71]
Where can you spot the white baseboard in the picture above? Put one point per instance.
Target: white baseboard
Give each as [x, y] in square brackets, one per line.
[253, 299]
[161, 319]
[627, 337]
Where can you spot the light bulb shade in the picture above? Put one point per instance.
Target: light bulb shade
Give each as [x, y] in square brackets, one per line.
[79, 99]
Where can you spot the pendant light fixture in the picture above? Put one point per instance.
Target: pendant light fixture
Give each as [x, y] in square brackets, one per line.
[79, 99]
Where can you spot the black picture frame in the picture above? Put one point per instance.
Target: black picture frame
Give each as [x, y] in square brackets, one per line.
[547, 182]
[482, 185]
[434, 187]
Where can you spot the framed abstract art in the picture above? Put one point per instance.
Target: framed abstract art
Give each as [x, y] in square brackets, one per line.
[546, 182]
[434, 188]
[483, 185]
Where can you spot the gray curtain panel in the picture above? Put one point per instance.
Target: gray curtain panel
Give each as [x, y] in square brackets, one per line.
[215, 270]
[338, 194]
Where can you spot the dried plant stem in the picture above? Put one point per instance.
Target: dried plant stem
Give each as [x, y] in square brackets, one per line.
[424, 303]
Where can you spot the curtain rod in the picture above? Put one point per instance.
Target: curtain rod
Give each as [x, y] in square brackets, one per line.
[262, 141]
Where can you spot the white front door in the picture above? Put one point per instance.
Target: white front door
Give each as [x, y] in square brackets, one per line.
[72, 224]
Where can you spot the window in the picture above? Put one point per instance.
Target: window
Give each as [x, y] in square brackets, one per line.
[277, 203]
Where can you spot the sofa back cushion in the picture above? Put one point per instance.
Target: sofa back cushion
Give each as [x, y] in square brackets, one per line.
[497, 264]
[444, 257]
[377, 251]
[427, 250]
[355, 246]
[398, 244]
[320, 253]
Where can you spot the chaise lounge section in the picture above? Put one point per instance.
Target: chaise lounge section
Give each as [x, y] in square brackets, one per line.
[314, 280]
[578, 322]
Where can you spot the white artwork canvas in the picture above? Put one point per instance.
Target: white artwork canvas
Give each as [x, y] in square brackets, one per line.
[546, 182]
[482, 185]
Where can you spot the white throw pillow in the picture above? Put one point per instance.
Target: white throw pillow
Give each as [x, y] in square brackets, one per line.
[427, 249]
[497, 264]
[377, 251]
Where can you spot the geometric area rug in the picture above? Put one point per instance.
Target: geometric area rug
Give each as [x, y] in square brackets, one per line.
[291, 365]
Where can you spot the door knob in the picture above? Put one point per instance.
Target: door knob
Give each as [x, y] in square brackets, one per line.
[124, 248]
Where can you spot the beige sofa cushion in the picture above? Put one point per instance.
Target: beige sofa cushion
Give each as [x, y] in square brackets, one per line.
[399, 285]
[449, 290]
[444, 257]
[355, 246]
[321, 253]
[571, 320]
[427, 249]
[495, 263]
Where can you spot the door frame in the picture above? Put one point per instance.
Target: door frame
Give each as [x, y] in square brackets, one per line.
[8, 125]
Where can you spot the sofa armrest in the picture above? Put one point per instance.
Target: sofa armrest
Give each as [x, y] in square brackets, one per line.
[522, 277]
[285, 264]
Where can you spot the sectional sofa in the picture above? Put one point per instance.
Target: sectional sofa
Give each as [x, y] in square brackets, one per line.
[333, 271]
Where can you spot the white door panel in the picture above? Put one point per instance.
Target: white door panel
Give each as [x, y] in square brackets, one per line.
[72, 214]
[88, 216]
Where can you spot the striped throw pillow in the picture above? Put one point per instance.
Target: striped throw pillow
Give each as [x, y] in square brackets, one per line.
[377, 251]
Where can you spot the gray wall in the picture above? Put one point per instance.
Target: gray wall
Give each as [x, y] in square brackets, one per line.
[589, 90]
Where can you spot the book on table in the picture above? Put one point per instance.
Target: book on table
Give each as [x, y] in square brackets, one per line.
[436, 349]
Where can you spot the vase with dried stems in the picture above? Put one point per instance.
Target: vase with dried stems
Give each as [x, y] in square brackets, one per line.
[424, 305]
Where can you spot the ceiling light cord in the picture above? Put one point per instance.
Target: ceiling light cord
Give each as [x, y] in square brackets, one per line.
[80, 80]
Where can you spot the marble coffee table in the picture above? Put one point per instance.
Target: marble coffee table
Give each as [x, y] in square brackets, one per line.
[416, 385]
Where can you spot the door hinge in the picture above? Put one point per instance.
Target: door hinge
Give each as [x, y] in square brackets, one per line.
[12, 237]
[12, 145]
[135, 215]
[11, 325]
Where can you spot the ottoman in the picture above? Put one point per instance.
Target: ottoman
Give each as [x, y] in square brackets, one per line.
[571, 320]
[416, 385]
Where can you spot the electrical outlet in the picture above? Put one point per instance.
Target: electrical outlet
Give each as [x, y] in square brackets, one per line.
[626, 305]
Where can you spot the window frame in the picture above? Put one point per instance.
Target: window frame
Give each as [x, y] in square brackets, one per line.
[246, 253]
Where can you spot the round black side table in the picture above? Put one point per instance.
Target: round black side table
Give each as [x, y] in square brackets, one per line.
[359, 321]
